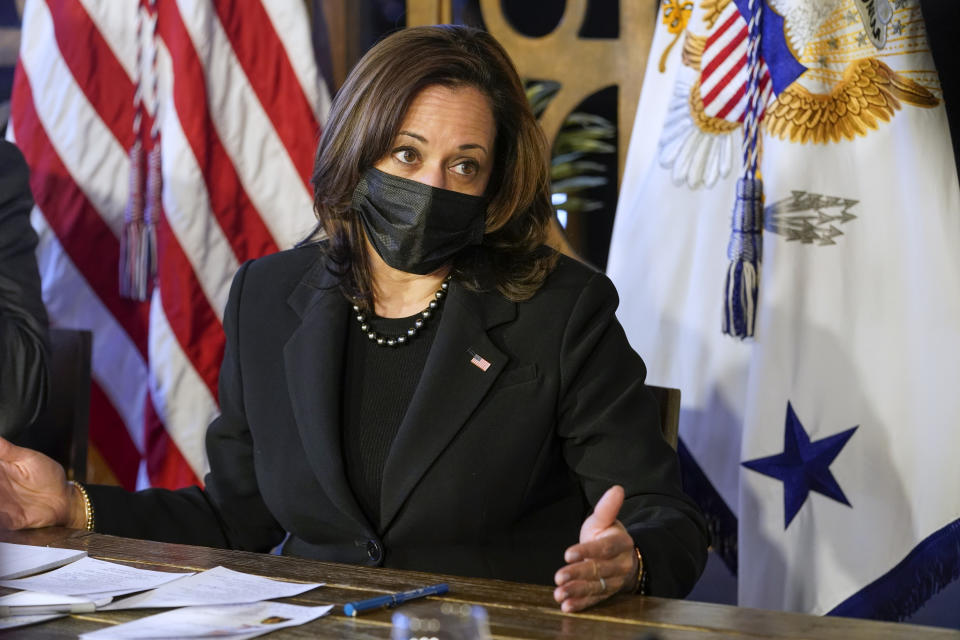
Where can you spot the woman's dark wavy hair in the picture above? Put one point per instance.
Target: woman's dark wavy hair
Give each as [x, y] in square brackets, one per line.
[367, 114]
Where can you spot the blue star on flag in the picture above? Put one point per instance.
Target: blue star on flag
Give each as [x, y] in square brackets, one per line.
[803, 466]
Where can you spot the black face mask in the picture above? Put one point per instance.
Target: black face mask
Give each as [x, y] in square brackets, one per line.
[415, 227]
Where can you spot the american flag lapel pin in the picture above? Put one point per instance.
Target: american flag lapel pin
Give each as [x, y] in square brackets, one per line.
[478, 361]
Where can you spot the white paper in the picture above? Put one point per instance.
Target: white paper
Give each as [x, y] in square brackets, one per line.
[90, 576]
[27, 603]
[231, 621]
[214, 587]
[18, 560]
[22, 621]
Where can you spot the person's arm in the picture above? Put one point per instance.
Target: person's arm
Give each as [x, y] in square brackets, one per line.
[610, 425]
[23, 319]
[229, 512]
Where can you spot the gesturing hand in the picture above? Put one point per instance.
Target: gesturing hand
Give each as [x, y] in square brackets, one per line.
[603, 562]
[33, 489]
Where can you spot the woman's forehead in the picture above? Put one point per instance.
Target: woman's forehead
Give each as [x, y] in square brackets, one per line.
[442, 115]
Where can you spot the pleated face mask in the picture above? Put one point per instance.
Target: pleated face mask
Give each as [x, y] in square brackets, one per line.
[414, 227]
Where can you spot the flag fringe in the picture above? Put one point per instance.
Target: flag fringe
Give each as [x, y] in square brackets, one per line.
[740, 305]
[138, 239]
[744, 250]
[928, 568]
[131, 236]
[151, 214]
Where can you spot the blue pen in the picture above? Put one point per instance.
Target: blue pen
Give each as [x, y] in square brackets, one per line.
[394, 599]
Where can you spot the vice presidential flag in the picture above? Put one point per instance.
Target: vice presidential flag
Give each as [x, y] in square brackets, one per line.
[175, 137]
[823, 448]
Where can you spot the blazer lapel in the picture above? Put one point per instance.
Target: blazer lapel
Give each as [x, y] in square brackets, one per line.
[451, 386]
[313, 357]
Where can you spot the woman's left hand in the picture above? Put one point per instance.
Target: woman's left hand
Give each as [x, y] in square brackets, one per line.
[603, 563]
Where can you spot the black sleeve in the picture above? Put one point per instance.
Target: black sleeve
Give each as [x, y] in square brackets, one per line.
[611, 429]
[229, 512]
[23, 319]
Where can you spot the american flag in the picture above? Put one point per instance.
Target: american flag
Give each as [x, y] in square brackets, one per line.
[479, 361]
[724, 71]
[238, 102]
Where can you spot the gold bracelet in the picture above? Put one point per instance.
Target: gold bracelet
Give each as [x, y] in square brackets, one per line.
[641, 585]
[87, 505]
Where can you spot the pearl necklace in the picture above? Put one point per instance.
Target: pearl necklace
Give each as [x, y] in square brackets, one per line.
[412, 331]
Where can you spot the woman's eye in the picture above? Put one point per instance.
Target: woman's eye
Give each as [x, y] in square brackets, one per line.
[465, 168]
[406, 156]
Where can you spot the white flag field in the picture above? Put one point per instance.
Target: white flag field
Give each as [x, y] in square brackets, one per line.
[194, 122]
[824, 449]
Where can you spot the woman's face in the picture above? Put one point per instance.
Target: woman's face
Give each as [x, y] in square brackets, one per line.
[445, 140]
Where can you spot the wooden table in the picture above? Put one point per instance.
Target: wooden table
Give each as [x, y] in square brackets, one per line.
[515, 610]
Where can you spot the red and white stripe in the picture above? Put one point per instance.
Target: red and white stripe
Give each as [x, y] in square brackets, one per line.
[239, 102]
[480, 362]
[724, 71]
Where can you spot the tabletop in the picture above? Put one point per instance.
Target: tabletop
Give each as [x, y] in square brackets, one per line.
[515, 611]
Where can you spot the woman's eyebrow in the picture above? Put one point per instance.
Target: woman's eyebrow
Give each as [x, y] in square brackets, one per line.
[474, 145]
[463, 147]
[414, 135]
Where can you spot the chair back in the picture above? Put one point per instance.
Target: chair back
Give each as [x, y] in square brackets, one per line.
[61, 429]
[668, 400]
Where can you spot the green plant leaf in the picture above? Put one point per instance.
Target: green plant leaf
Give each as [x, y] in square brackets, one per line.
[559, 171]
[586, 133]
[539, 94]
[578, 205]
[588, 145]
[581, 134]
[566, 157]
[578, 183]
[581, 119]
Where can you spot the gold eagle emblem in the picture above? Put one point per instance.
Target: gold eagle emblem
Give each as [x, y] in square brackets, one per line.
[869, 93]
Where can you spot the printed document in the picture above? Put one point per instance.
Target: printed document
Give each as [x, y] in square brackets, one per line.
[21, 603]
[22, 621]
[89, 576]
[230, 621]
[213, 587]
[18, 560]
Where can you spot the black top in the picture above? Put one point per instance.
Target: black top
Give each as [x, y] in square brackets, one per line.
[378, 383]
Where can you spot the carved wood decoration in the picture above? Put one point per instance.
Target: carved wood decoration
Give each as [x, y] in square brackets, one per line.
[341, 22]
[583, 66]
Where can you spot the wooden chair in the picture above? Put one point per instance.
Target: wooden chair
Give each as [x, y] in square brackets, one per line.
[668, 399]
[61, 429]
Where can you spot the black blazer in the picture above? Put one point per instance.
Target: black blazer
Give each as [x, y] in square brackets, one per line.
[23, 318]
[491, 473]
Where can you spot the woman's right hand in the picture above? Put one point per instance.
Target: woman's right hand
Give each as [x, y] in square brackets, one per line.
[34, 491]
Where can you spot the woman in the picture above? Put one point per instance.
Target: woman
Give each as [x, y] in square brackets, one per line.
[428, 387]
